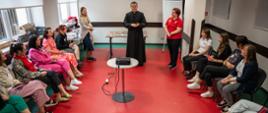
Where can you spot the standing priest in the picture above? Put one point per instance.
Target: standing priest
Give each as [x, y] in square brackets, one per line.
[135, 22]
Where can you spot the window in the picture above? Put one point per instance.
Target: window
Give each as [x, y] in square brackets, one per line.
[67, 8]
[37, 16]
[8, 23]
[2, 28]
[12, 19]
[23, 17]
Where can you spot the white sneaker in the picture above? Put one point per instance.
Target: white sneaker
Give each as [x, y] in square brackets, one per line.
[191, 80]
[193, 85]
[75, 82]
[207, 94]
[72, 87]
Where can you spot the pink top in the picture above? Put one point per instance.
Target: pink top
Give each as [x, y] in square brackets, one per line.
[50, 44]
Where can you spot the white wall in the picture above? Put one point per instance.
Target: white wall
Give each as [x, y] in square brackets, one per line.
[194, 9]
[241, 21]
[19, 3]
[115, 10]
[51, 17]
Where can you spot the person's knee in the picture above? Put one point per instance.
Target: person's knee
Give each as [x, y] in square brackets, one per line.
[226, 89]
[219, 84]
[242, 101]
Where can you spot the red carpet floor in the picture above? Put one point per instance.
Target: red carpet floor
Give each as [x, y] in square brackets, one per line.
[156, 89]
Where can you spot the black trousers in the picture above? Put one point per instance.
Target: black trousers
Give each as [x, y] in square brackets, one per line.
[173, 46]
[187, 61]
[212, 71]
[51, 79]
[202, 63]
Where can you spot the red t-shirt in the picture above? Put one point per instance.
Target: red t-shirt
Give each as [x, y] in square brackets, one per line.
[172, 25]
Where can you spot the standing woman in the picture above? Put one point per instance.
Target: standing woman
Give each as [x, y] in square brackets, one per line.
[173, 31]
[86, 33]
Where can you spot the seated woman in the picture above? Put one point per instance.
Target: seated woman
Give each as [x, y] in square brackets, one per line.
[241, 79]
[50, 46]
[25, 71]
[216, 71]
[63, 44]
[223, 51]
[245, 106]
[42, 60]
[12, 104]
[204, 46]
[33, 88]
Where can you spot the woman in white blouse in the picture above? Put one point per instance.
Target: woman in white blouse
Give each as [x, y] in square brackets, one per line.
[203, 48]
[86, 33]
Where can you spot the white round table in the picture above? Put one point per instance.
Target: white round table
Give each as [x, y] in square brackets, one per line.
[122, 97]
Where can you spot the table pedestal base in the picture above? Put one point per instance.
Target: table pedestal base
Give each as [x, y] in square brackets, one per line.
[123, 97]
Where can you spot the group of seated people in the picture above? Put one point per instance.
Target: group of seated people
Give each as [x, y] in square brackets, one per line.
[236, 71]
[36, 65]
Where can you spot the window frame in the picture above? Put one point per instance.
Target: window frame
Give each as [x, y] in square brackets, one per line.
[6, 20]
[68, 3]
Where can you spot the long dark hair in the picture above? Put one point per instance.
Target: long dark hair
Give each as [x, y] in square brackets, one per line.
[224, 43]
[207, 32]
[32, 42]
[251, 53]
[15, 48]
[46, 32]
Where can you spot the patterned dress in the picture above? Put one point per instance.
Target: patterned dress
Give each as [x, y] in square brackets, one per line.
[50, 45]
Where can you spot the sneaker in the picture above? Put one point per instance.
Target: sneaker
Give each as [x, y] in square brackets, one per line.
[221, 104]
[63, 99]
[207, 94]
[51, 103]
[76, 82]
[193, 86]
[225, 109]
[72, 88]
[172, 67]
[192, 79]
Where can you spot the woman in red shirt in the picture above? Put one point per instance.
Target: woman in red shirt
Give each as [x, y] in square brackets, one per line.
[173, 29]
